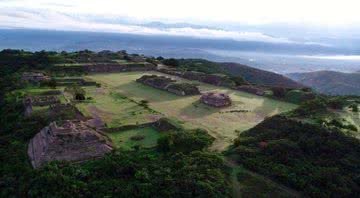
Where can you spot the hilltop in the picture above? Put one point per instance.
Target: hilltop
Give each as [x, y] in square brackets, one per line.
[164, 126]
[330, 82]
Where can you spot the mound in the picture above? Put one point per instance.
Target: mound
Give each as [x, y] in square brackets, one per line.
[72, 141]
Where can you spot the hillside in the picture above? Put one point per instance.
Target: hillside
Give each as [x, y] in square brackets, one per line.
[313, 149]
[330, 82]
[250, 74]
[258, 76]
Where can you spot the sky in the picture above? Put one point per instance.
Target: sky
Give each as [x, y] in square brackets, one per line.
[131, 15]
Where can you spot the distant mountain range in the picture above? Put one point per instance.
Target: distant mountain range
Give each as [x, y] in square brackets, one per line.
[330, 82]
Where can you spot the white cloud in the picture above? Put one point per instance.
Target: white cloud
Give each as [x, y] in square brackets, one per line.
[324, 12]
[122, 16]
[44, 19]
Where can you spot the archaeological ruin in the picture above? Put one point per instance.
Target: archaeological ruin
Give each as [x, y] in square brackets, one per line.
[170, 85]
[67, 141]
[34, 77]
[252, 89]
[41, 100]
[216, 99]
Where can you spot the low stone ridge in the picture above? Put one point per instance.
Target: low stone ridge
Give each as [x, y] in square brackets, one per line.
[119, 67]
[216, 99]
[170, 85]
[251, 89]
[213, 79]
[66, 112]
[43, 100]
[34, 77]
[69, 141]
[105, 68]
[183, 89]
[79, 81]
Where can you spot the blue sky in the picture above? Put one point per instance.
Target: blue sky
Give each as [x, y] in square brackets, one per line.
[216, 16]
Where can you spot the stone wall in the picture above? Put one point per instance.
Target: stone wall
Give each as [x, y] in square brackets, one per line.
[251, 89]
[170, 85]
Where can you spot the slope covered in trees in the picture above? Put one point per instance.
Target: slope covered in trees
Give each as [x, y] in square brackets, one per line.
[304, 151]
[249, 74]
[330, 82]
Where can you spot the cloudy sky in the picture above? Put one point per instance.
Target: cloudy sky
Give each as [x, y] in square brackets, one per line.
[212, 15]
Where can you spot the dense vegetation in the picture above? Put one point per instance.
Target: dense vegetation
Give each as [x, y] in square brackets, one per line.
[180, 172]
[302, 151]
[298, 149]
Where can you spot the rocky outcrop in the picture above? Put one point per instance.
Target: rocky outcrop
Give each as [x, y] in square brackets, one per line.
[69, 141]
[216, 99]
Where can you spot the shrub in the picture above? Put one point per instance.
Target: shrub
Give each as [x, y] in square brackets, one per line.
[171, 62]
[185, 141]
[76, 91]
[278, 92]
[137, 137]
[354, 108]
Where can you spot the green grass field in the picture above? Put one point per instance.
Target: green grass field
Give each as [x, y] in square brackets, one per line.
[122, 139]
[223, 124]
[114, 109]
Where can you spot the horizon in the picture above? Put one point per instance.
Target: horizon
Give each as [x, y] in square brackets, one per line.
[277, 21]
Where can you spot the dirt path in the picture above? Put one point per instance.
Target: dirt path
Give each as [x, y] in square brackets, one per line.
[236, 186]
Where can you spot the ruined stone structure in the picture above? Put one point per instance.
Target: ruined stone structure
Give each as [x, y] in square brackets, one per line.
[170, 85]
[251, 89]
[27, 107]
[192, 75]
[70, 141]
[216, 99]
[160, 82]
[183, 89]
[42, 100]
[113, 67]
[65, 112]
[137, 58]
[213, 79]
[105, 68]
[34, 77]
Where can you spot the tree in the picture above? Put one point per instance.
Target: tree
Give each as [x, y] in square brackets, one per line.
[171, 62]
[52, 83]
[279, 92]
[160, 58]
[354, 108]
[76, 91]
